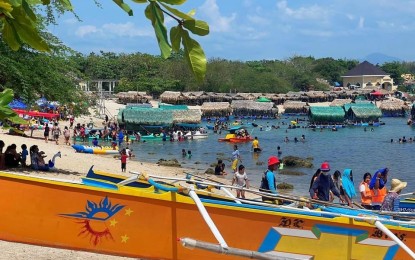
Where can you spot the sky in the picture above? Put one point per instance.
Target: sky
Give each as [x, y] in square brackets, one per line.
[254, 29]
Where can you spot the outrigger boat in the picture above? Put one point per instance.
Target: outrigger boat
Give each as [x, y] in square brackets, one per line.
[152, 222]
[237, 134]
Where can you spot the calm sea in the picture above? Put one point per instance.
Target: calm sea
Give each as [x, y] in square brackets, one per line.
[350, 147]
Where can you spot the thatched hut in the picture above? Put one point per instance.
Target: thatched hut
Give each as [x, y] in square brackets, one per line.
[394, 108]
[323, 115]
[132, 118]
[137, 117]
[340, 102]
[253, 108]
[315, 96]
[295, 107]
[216, 109]
[248, 96]
[133, 97]
[172, 97]
[364, 112]
[195, 97]
[190, 116]
[218, 97]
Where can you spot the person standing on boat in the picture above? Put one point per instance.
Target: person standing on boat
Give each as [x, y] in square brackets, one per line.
[268, 182]
[377, 186]
[255, 145]
[320, 190]
[365, 193]
[391, 201]
[236, 157]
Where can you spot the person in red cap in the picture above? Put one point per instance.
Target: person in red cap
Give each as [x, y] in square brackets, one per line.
[322, 186]
[268, 183]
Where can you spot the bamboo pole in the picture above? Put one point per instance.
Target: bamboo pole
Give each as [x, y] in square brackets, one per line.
[192, 243]
[389, 233]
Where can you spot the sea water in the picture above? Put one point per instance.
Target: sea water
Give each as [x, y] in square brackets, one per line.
[349, 147]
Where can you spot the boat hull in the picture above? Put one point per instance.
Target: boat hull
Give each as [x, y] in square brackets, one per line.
[240, 140]
[137, 222]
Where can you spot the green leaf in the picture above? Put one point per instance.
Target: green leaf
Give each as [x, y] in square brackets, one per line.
[10, 36]
[6, 97]
[192, 12]
[28, 11]
[175, 38]
[140, 1]
[124, 6]
[29, 35]
[155, 15]
[66, 4]
[177, 12]
[197, 27]
[173, 2]
[194, 55]
[46, 2]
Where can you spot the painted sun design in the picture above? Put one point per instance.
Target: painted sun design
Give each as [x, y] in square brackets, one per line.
[93, 220]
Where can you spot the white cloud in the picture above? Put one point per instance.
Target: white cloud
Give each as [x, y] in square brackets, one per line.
[361, 24]
[126, 29]
[112, 29]
[350, 17]
[85, 30]
[70, 21]
[217, 22]
[313, 12]
[317, 33]
[255, 19]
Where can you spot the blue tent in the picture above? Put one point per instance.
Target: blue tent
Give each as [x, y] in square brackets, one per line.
[17, 104]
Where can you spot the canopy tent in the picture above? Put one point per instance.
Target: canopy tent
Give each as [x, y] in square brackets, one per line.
[17, 104]
[263, 99]
[35, 113]
[377, 93]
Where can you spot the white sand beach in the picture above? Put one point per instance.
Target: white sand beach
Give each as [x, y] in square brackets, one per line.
[72, 166]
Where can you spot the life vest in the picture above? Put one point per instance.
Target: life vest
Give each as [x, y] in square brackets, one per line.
[264, 183]
[378, 195]
[367, 192]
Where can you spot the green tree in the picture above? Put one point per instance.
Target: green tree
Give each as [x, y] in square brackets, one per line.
[20, 24]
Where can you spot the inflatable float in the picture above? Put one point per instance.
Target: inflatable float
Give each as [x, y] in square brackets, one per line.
[95, 149]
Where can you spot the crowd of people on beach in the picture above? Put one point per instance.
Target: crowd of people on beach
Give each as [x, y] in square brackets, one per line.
[10, 158]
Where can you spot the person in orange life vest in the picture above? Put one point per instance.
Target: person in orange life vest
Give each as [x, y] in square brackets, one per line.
[377, 186]
[365, 193]
[268, 182]
[323, 185]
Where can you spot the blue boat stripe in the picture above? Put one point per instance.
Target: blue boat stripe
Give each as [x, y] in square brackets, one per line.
[270, 242]
[390, 254]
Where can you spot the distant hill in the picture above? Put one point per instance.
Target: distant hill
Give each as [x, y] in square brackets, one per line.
[379, 58]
